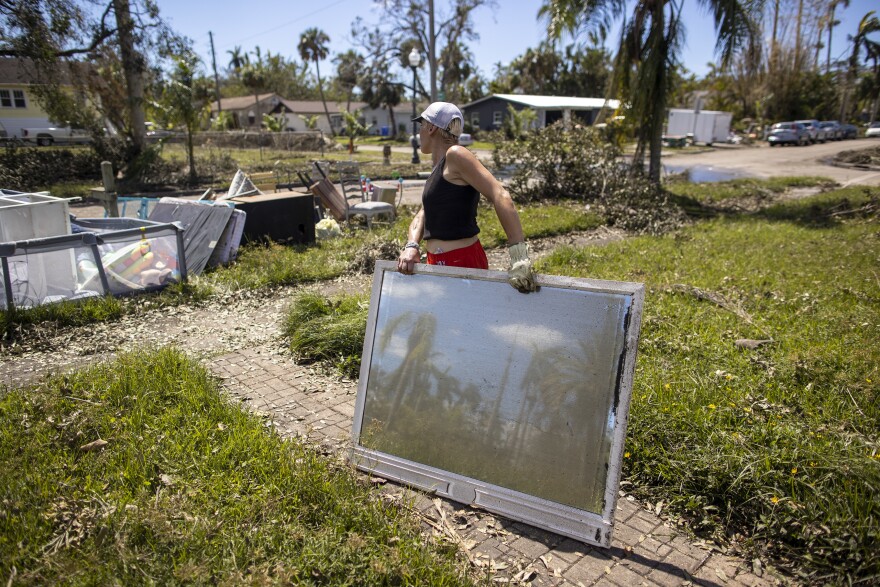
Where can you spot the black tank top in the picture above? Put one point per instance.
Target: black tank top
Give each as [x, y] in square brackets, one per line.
[450, 209]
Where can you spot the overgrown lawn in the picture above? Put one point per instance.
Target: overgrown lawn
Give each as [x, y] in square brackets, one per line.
[780, 443]
[141, 471]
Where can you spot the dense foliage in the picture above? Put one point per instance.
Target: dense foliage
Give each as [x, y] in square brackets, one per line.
[581, 163]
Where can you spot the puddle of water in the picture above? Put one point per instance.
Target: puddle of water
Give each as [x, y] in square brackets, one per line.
[704, 174]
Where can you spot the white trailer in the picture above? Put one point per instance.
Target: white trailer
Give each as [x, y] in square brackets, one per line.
[703, 126]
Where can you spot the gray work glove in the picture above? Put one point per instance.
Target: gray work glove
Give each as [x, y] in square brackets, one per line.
[520, 274]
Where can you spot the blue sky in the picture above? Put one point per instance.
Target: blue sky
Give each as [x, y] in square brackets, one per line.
[506, 32]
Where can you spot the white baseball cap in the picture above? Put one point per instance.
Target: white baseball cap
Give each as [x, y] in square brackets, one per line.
[441, 114]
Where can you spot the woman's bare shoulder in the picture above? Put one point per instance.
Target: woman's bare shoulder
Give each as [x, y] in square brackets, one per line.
[459, 158]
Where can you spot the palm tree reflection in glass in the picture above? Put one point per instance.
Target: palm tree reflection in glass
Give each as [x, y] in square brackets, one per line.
[528, 404]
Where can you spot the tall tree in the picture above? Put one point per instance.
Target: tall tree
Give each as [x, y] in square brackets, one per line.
[237, 60]
[184, 98]
[869, 24]
[830, 24]
[254, 78]
[405, 21]
[55, 37]
[349, 68]
[649, 46]
[313, 47]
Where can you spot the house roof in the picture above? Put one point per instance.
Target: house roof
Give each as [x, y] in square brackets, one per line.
[14, 70]
[241, 102]
[551, 102]
[317, 107]
[295, 106]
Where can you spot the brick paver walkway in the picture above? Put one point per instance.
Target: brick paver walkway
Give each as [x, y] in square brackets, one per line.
[645, 550]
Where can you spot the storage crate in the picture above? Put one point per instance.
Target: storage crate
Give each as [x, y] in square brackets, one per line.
[25, 216]
[113, 255]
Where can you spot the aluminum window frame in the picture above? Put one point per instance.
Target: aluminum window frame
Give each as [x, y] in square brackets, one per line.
[588, 526]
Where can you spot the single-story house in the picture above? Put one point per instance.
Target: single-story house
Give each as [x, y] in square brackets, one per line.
[244, 114]
[18, 106]
[489, 112]
[244, 109]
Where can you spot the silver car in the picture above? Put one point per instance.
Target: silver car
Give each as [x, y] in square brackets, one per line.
[788, 133]
[817, 133]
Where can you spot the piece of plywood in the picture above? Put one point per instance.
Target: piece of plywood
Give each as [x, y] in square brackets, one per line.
[515, 403]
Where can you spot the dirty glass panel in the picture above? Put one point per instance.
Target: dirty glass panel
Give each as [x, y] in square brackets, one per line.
[519, 391]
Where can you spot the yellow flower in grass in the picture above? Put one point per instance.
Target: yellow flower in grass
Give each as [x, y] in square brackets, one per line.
[774, 499]
[712, 406]
[794, 471]
[626, 455]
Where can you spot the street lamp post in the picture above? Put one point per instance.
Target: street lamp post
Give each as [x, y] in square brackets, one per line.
[414, 59]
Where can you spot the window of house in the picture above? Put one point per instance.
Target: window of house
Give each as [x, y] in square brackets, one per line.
[12, 99]
[475, 119]
[497, 118]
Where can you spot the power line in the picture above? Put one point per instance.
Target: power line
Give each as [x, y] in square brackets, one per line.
[286, 24]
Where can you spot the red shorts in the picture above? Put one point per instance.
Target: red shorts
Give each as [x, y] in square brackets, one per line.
[472, 256]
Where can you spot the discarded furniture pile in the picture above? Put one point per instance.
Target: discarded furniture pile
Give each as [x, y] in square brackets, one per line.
[49, 255]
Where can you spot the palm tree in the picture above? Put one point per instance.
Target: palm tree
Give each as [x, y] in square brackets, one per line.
[832, 6]
[254, 78]
[349, 69]
[868, 25]
[650, 42]
[236, 60]
[313, 47]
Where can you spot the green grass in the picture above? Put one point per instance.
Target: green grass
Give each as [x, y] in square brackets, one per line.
[779, 444]
[189, 488]
[330, 331]
[547, 219]
[708, 193]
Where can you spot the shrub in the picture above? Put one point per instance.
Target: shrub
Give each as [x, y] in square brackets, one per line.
[579, 163]
[31, 168]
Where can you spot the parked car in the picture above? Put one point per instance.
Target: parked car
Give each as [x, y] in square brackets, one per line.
[155, 133]
[817, 133]
[849, 131]
[788, 133]
[832, 129]
[51, 135]
[873, 130]
[465, 139]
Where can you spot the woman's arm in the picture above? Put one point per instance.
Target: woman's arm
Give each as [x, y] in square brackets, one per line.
[410, 255]
[464, 167]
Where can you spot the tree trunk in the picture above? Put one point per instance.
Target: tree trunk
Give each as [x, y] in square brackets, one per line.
[830, 27]
[798, 42]
[323, 100]
[773, 46]
[133, 66]
[393, 132]
[190, 153]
